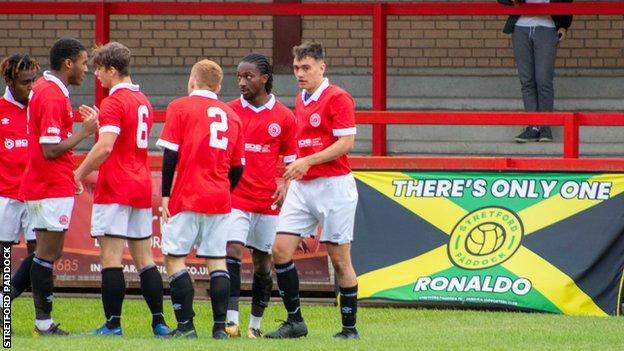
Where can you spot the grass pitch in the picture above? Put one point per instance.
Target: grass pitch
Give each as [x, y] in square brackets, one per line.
[380, 329]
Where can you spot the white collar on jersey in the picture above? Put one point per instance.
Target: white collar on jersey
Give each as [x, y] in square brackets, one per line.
[9, 97]
[268, 106]
[205, 93]
[317, 93]
[133, 87]
[48, 76]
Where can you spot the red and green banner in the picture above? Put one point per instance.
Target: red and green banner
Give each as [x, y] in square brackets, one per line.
[550, 242]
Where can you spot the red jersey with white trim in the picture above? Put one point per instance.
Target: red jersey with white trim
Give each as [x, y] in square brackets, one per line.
[50, 120]
[269, 132]
[327, 114]
[14, 147]
[207, 134]
[125, 176]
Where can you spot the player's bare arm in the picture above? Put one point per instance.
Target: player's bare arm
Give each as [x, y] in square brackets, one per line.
[95, 158]
[89, 125]
[299, 167]
[280, 193]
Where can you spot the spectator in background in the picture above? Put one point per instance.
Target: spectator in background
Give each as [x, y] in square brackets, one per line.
[535, 40]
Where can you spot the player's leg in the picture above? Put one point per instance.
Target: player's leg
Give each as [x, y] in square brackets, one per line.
[260, 241]
[238, 229]
[113, 284]
[295, 221]
[140, 245]
[13, 216]
[212, 246]
[178, 236]
[49, 249]
[50, 218]
[338, 224]
[234, 252]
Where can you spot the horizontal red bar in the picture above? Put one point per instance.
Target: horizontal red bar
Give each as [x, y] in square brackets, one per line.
[326, 9]
[463, 163]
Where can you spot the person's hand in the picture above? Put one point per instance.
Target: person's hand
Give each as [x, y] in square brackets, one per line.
[279, 195]
[297, 169]
[164, 210]
[561, 32]
[89, 116]
[79, 187]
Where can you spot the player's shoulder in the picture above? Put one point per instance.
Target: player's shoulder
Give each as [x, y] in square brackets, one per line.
[283, 111]
[235, 103]
[337, 91]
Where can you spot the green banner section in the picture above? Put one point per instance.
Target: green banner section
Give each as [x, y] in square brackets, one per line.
[548, 242]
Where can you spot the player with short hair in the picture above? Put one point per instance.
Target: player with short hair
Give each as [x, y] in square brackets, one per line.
[122, 201]
[322, 190]
[203, 139]
[269, 129]
[48, 186]
[19, 72]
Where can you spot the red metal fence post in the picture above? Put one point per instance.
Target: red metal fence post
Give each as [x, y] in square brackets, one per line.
[379, 75]
[102, 36]
[571, 138]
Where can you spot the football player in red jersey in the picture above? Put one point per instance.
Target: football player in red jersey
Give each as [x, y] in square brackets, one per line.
[48, 186]
[269, 129]
[322, 190]
[122, 202]
[203, 139]
[19, 72]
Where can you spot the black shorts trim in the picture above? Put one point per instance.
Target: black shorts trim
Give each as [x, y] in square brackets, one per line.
[257, 249]
[48, 230]
[120, 237]
[177, 255]
[11, 243]
[32, 241]
[334, 243]
[211, 257]
[236, 242]
[288, 233]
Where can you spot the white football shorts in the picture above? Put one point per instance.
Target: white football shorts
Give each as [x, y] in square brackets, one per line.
[208, 233]
[254, 230]
[51, 214]
[121, 221]
[326, 201]
[14, 219]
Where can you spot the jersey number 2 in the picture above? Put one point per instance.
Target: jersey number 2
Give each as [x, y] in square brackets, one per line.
[141, 136]
[216, 127]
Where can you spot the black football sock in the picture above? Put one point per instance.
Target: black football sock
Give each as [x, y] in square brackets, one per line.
[21, 279]
[152, 290]
[219, 292]
[233, 267]
[182, 294]
[42, 287]
[261, 287]
[288, 284]
[113, 293]
[348, 306]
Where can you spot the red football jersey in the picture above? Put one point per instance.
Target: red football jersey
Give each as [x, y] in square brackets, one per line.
[269, 131]
[125, 176]
[14, 153]
[326, 115]
[50, 120]
[207, 134]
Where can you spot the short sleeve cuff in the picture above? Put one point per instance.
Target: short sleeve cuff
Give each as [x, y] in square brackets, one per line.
[344, 132]
[110, 129]
[290, 158]
[164, 144]
[49, 140]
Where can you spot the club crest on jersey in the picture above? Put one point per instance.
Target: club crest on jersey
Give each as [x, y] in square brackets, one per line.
[63, 220]
[315, 120]
[9, 143]
[5, 120]
[275, 130]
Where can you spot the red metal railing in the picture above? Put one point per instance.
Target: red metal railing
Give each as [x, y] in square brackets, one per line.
[102, 10]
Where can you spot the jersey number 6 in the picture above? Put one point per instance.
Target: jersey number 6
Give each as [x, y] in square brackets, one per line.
[141, 136]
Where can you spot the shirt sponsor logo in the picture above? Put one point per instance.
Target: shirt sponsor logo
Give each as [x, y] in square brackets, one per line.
[54, 130]
[5, 120]
[310, 142]
[275, 130]
[10, 143]
[257, 148]
[315, 120]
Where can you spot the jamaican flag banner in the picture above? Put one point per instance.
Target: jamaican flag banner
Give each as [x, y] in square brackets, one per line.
[550, 242]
